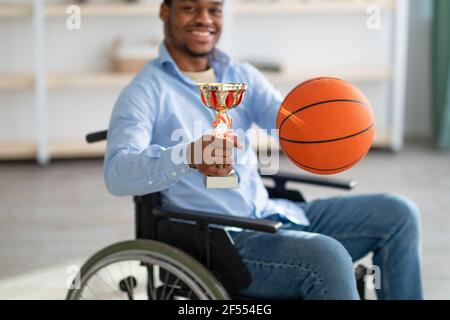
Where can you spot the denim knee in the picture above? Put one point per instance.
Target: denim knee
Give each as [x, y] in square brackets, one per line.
[331, 254]
[334, 267]
[403, 211]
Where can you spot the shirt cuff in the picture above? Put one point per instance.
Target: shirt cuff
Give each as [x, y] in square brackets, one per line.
[175, 162]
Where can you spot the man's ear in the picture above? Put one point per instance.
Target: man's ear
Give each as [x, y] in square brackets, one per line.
[164, 12]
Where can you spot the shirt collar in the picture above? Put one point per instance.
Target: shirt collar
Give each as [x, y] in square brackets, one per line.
[218, 60]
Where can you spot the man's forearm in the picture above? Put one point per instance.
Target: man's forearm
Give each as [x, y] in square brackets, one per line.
[130, 172]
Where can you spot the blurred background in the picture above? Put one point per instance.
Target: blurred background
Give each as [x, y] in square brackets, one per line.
[63, 64]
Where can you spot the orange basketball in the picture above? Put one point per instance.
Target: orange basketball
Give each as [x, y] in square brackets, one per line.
[326, 125]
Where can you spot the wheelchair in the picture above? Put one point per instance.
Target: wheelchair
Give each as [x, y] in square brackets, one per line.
[180, 254]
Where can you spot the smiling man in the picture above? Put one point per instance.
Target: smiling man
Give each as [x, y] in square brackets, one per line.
[189, 40]
[311, 255]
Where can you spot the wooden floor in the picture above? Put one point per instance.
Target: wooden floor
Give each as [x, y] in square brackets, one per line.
[55, 216]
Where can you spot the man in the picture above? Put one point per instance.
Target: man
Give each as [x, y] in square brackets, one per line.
[311, 256]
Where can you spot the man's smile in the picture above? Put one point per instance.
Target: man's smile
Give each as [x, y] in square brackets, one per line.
[203, 35]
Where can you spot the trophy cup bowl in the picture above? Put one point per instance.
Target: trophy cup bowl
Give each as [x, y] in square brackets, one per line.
[222, 97]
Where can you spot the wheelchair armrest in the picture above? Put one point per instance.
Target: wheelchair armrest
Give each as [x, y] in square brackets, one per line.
[281, 180]
[263, 225]
[96, 136]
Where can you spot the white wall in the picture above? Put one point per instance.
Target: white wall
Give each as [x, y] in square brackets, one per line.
[418, 96]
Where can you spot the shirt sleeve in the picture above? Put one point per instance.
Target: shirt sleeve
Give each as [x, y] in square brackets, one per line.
[132, 165]
[265, 100]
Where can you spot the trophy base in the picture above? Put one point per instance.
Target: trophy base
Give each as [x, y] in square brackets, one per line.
[227, 182]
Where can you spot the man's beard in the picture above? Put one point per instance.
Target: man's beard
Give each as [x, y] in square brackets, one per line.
[195, 54]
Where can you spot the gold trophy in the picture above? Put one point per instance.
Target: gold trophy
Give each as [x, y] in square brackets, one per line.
[222, 97]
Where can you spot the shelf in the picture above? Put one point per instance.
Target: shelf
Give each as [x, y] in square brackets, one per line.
[90, 9]
[11, 81]
[119, 80]
[324, 6]
[106, 10]
[239, 8]
[15, 10]
[352, 74]
[89, 80]
[64, 81]
[17, 150]
[22, 150]
[107, 79]
[76, 149]
[139, 9]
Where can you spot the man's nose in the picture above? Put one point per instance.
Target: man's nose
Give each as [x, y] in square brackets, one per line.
[203, 17]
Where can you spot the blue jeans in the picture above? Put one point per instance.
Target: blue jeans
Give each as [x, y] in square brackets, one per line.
[316, 262]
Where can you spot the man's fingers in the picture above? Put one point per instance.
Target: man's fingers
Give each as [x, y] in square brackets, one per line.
[222, 153]
[216, 150]
[227, 160]
[217, 172]
[222, 143]
[216, 156]
[236, 142]
[219, 160]
[230, 141]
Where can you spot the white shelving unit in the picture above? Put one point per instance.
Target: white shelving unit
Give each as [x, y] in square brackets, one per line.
[62, 88]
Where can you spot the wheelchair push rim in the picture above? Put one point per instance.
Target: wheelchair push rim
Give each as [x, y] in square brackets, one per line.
[111, 271]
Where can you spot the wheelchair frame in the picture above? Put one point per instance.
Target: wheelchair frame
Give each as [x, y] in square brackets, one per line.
[195, 232]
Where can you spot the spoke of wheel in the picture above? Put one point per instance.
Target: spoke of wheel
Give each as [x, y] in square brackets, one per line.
[114, 291]
[113, 281]
[150, 279]
[110, 275]
[189, 294]
[166, 280]
[130, 279]
[87, 285]
[171, 289]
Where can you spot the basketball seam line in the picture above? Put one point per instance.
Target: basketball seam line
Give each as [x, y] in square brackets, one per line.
[317, 169]
[319, 103]
[330, 140]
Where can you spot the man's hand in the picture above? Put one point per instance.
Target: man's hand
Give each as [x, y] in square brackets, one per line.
[212, 156]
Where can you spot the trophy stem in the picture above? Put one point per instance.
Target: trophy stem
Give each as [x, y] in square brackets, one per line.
[222, 124]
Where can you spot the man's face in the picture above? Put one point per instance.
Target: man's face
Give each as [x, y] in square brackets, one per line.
[193, 26]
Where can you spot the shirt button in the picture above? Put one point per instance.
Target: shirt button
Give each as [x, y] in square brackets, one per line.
[174, 173]
[150, 182]
[183, 170]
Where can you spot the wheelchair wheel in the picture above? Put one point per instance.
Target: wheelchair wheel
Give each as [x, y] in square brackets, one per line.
[144, 269]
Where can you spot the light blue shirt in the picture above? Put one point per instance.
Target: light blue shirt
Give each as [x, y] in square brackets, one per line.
[141, 145]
